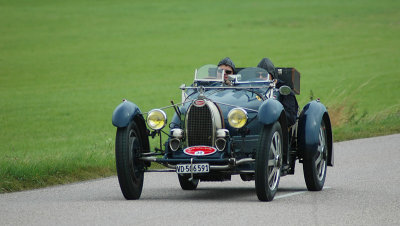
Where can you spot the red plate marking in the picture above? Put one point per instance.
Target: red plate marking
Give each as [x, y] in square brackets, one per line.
[199, 150]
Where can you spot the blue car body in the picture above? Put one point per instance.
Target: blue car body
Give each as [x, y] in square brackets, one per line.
[232, 150]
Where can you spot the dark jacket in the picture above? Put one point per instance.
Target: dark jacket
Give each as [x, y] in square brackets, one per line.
[289, 102]
[290, 105]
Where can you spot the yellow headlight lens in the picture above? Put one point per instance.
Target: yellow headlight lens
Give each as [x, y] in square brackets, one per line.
[156, 119]
[237, 118]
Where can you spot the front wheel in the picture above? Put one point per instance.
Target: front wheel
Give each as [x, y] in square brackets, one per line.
[315, 163]
[130, 169]
[187, 183]
[269, 162]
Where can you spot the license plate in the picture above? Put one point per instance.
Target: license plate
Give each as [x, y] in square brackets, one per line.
[195, 168]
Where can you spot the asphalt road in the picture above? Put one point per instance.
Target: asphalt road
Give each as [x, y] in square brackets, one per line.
[362, 189]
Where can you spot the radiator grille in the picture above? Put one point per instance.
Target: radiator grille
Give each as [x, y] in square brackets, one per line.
[199, 126]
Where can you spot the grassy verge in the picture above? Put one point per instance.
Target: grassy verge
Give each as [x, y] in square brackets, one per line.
[65, 66]
[364, 128]
[22, 170]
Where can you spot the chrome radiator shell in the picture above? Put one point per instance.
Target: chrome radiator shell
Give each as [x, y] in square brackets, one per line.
[202, 123]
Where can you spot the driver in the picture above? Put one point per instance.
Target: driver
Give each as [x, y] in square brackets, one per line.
[228, 66]
[289, 102]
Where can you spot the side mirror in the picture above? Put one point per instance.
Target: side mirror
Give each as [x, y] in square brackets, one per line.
[285, 90]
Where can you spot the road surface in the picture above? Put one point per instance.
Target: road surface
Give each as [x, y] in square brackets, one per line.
[362, 189]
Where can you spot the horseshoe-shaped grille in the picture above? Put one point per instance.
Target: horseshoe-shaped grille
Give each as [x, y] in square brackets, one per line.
[199, 126]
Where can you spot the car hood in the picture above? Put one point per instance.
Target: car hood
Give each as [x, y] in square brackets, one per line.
[229, 98]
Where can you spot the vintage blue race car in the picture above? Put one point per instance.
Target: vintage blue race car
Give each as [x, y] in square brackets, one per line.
[221, 130]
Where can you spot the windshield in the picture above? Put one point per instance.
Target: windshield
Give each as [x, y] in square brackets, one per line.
[252, 74]
[209, 72]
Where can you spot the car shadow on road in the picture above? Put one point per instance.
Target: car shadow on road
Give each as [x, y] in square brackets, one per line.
[223, 193]
[226, 194]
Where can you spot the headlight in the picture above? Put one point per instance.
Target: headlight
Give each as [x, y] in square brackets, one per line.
[156, 119]
[237, 118]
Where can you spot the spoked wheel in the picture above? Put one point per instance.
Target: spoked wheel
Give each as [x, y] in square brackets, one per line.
[187, 184]
[315, 163]
[269, 162]
[130, 169]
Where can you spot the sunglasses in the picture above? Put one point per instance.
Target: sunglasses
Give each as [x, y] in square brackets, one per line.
[228, 71]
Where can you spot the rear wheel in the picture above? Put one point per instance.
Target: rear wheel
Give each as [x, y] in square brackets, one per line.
[188, 184]
[269, 162]
[315, 163]
[130, 169]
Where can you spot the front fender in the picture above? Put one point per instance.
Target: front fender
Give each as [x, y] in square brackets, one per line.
[269, 111]
[124, 113]
[308, 130]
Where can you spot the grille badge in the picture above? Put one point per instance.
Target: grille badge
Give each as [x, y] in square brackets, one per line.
[199, 103]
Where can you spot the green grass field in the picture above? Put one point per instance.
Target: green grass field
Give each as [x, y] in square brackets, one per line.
[65, 66]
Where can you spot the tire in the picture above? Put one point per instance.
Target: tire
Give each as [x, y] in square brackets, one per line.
[269, 162]
[315, 163]
[130, 170]
[186, 184]
[247, 177]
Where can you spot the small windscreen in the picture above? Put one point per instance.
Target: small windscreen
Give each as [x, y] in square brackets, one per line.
[209, 72]
[252, 74]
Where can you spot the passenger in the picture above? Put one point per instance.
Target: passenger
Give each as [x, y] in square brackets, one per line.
[267, 64]
[229, 67]
[289, 102]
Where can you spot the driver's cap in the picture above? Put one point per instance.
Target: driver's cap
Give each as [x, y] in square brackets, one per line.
[227, 61]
